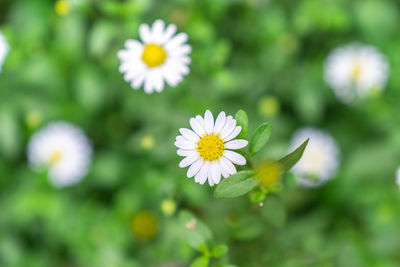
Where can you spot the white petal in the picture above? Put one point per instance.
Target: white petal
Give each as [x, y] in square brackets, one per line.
[180, 51]
[186, 152]
[185, 145]
[208, 121]
[148, 83]
[145, 34]
[215, 172]
[158, 82]
[235, 157]
[200, 120]
[227, 165]
[177, 40]
[180, 138]
[138, 81]
[189, 135]
[224, 173]
[157, 31]
[168, 33]
[228, 127]
[210, 179]
[185, 59]
[196, 126]
[236, 144]
[188, 160]
[219, 122]
[233, 134]
[177, 66]
[201, 176]
[133, 71]
[133, 44]
[194, 168]
[172, 78]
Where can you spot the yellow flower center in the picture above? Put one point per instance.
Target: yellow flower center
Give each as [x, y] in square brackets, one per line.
[147, 142]
[356, 72]
[269, 174]
[153, 55]
[269, 106]
[55, 157]
[168, 207]
[62, 7]
[145, 225]
[210, 147]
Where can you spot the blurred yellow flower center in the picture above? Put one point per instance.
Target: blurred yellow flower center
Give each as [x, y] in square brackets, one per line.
[153, 55]
[356, 72]
[269, 106]
[33, 119]
[62, 7]
[210, 147]
[55, 157]
[168, 207]
[269, 174]
[145, 225]
[147, 142]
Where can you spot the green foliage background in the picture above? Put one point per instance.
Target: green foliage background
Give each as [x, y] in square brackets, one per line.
[65, 68]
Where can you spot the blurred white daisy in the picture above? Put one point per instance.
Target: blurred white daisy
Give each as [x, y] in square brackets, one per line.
[207, 148]
[161, 57]
[355, 71]
[398, 176]
[320, 160]
[64, 150]
[4, 48]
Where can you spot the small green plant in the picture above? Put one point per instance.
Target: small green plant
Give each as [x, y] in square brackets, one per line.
[265, 175]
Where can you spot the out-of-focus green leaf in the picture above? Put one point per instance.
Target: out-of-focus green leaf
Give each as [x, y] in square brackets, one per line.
[243, 121]
[257, 196]
[90, 88]
[249, 227]
[260, 138]
[376, 18]
[201, 261]
[288, 161]
[196, 233]
[274, 211]
[9, 133]
[218, 251]
[236, 185]
[100, 38]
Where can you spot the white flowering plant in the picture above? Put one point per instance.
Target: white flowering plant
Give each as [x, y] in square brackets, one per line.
[208, 151]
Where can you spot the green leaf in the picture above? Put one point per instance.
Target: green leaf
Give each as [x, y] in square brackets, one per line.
[10, 133]
[100, 38]
[236, 185]
[274, 212]
[257, 196]
[90, 89]
[219, 250]
[195, 231]
[288, 161]
[201, 261]
[260, 138]
[243, 121]
[203, 248]
[248, 227]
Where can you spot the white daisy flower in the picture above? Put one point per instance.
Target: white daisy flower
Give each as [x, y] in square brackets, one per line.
[161, 57]
[398, 176]
[356, 70]
[64, 150]
[320, 160]
[4, 48]
[207, 148]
